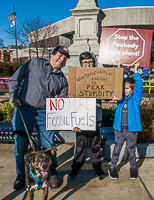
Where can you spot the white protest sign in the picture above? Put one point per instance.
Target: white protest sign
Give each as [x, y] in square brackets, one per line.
[67, 113]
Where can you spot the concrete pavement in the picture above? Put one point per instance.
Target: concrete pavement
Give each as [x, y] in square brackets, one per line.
[87, 186]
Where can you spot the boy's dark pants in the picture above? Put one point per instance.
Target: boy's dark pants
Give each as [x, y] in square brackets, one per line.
[90, 140]
[120, 137]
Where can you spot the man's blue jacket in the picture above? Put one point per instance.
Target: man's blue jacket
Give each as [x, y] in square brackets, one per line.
[133, 104]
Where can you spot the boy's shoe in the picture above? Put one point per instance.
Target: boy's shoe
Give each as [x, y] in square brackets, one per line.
[74, 173]
[99, 171]
[133, 174]
[112, 173]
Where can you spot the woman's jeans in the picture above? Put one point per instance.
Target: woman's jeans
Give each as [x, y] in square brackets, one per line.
[37, 119]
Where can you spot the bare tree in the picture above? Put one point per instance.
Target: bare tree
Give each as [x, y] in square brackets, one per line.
[33, 32]
[1, 43]
[11, 32]
[36, 31]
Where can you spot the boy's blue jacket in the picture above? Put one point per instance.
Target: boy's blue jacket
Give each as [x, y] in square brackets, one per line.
[133, 104]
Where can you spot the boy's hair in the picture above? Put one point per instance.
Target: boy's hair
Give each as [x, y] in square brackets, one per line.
[130, 81]
[86, 56]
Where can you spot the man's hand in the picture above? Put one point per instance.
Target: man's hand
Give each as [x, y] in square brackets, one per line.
[136, 66]
[76, 129]
[15, 102]
[116, 98]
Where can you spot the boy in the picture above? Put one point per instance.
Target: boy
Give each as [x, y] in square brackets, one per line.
[127, 122]
[88, 139]
[126, 72]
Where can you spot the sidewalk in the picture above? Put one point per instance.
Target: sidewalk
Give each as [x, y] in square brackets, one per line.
[87, 186]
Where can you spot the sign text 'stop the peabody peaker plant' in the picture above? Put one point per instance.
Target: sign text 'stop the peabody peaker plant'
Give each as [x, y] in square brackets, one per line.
[125, 46]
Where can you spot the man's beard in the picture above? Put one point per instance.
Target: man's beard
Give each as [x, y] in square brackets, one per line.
[60, 66]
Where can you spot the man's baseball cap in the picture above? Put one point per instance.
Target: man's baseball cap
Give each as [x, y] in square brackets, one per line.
[62, 49]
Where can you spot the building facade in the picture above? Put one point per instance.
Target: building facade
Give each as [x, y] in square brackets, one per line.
[82, 31]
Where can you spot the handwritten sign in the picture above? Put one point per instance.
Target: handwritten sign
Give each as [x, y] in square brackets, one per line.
[126, 46]
[67, 113]
[99, 83]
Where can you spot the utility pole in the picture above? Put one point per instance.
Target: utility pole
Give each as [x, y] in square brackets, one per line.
[15, 35]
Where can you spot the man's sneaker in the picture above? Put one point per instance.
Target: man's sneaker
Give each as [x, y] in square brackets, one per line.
[74, 173]
[99, 171]
[18, 184]
[54, 182]
[112, 173]
[133, 174]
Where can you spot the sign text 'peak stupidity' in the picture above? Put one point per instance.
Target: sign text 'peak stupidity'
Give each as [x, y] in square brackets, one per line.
[96, 82]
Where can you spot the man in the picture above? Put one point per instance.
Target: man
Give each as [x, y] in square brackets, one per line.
[146, 72]
[126, 72]
[41, 79]
[90, 140]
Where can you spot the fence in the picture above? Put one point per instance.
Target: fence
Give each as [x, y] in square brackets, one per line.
[148, 84]
[6, 133]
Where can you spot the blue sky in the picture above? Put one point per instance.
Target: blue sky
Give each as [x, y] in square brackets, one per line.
[55, 10]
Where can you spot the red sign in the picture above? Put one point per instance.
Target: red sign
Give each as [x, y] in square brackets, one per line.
[125, 46]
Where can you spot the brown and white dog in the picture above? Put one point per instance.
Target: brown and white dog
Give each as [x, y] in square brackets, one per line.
[37, 170]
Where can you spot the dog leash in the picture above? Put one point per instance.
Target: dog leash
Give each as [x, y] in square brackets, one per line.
[15, 103]
[30, 140]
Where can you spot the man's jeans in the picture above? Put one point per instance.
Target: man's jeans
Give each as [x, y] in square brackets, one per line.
[37, 119]
[146, 78]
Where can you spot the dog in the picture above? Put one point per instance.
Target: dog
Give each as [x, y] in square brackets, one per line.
[37, 170]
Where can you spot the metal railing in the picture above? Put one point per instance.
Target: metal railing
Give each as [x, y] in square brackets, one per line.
[4, 81]
[148, 84]
[6, 133]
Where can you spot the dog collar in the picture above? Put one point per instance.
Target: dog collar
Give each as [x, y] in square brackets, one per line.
[38, 180]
